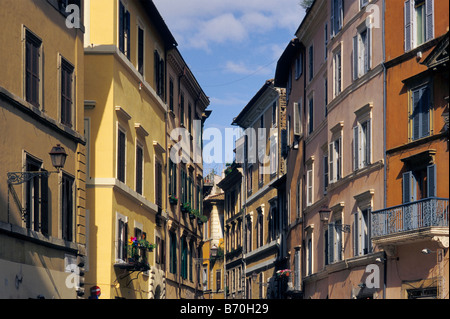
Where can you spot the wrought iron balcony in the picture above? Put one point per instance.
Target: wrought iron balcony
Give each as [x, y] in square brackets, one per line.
[426, 213]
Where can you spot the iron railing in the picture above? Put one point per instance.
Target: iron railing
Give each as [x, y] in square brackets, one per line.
[411, 216]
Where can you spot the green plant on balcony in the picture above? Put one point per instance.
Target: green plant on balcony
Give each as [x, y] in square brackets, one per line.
[201, 219]
[173, 200]
[194, 213]
[186, 207]
[137, 252]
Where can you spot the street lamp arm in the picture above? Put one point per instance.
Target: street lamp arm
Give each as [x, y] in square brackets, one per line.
[17, 178]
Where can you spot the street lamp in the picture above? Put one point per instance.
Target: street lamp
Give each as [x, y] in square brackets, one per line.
[58, 156]
[213, 251]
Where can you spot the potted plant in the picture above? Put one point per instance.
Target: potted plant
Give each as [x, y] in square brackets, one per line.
[202, 219]
[186, 207]
[173, 200]
[284, 273]
[193, 213]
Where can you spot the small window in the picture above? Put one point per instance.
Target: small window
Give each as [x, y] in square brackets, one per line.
[121, 153]
[66, 93]
[67, 207]
[140, 50]
[337, 69]
[32, 68]
[420, 112]
[139, 168]
[361, 53]
[124, 30]
[419, 22]
[337, 16]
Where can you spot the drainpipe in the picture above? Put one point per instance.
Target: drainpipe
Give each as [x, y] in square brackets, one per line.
[384, 131]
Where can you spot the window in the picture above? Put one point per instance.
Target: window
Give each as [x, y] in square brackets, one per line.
[362, 145]
[273, 154]
[122, 235]
[309, 255]
[325, 36]
[32, 68]
[171, 94]
[311, 62]
[158, 183]
[160, 258]
[326, 96]
[325, 173]
[419, 183]
[182, 109]
[361, 232]
[67, 207]
[159, 74]
[299, 65]
[297, 270]
[183, 186]
[361, 53]
[419, 22]
[140, 50]
[173, 252]
[337, 72]
[335, 160]
[139, 168]
[249, 234]
[335, 241]
[326, 245]
[297, 109]
[124, 30]
[419, 117]
[298, 199]
[36, 198]
[190, 118]
[274, 114]
[66, 92]
[191, 260]
[309, 184]
[363, 3]
[218, 279]
[260, 229]
[250, 179]
[337, 16]
[311, 115]
[121, 153]
[172, 178]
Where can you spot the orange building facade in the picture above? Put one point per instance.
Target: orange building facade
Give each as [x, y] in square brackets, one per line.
[413, 229]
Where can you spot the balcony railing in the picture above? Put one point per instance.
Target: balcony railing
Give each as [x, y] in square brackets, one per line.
[411, 216]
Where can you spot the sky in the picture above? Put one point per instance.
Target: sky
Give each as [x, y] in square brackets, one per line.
[232, 48]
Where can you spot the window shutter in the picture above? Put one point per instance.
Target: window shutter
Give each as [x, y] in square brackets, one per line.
[331, 243]
[408, 24]
[367, 51]
[424, 112]
[44, 204]
[296, 118]
[355, 234]
[416, 111]
[356, 148]
[340, 13]
[158, 183]
[407, 181]
[331, 158]
[355, 57]
[124, 241]
[429, 10]
[431, 181]
[156, 70]
[161, 78]
[339, 159]
[369, 143]
[140, 51]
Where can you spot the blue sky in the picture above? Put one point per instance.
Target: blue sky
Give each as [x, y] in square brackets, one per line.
[231, 46]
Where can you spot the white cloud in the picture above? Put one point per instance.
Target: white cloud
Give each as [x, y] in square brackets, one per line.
[199, 23]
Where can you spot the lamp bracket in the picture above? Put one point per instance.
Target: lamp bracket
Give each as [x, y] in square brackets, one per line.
[17, 178]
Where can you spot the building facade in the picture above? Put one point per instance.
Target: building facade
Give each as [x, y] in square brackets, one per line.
[42, 206]
[126, 50]
[186, 113]
[260, 120]
[413, 226]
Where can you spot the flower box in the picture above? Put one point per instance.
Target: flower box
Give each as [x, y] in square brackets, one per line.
[173, 200]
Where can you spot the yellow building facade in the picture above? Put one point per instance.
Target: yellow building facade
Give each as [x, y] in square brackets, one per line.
[125, 115]
[42, 208]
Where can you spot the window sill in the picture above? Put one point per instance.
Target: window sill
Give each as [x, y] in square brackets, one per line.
[39, 239]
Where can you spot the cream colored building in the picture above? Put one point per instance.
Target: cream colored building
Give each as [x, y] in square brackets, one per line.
[42, 216]
[126, 47]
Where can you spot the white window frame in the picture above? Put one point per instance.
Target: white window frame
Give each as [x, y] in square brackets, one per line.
[410, 23]
[335, 157]
[310, 182]
[337, 71]
[362, 51]
[124, 219]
